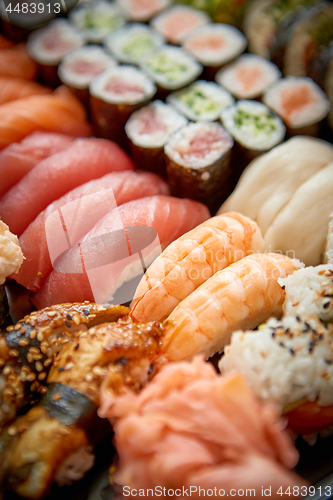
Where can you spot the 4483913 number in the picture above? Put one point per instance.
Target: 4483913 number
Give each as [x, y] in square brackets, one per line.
[310, 491]
[33, 8]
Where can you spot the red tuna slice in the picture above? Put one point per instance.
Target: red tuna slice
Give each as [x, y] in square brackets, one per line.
[82, 161]
[19, 158]
[118, 249]
[76, 213]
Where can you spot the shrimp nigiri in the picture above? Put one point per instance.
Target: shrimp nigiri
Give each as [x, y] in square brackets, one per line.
[191, 260]
[241, 296]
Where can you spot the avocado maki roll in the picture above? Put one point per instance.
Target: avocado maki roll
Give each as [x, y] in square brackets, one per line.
[133, 43]
[114, 95]
[148, 130]
[80, 67]
[201, 101]
[248, 77]
[171, 68]
[198, 163]
[96, 20]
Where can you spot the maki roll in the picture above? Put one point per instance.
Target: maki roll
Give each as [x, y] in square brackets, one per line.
[201, 101]
[255, 130]
[133, 43]
[171, 68]
[96, 20]
[114, 95]
[178, 21]
[198, 163]
[79, 68]
[49, 45]
[248, 77]
[300, 103]
[288, 362]
[143, 11]
[214, 45]
[148, 130]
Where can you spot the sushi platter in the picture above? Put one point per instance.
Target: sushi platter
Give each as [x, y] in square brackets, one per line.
[166, 249]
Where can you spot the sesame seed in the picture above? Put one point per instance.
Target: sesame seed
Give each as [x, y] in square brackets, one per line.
[56, 396]
[34, 350]
[326, 305]
[31, 377]
[42, 376]
[43, 390]
[10, 328]
[33, 334]
[12, 431]
[69, 317]
[88, 377]
[51, 314]
[40, 275]
[77, 346]
[8, 392]
[321, 272]
[7, 370]
[13, 353]
[67, 323]
[25, 369]
[69, 366]
[292, 352]
[23, 330]
[23, 377]
[37, 357]
[61, 369]
[40, 336]
[77, 320]
[23, 342]
[86, 312]
[17, 326]
[47, 362]
[97, 370]
[30, 359]
[295, 303]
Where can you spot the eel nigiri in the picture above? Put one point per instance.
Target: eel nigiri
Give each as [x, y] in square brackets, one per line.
[28, 348]
[118, 249]
[87, 204]
[54, 441]
[57, 112]
[242, 295]
[16, 62]
[82, 161]
[191, 260]
[19, 88]
[19, 158]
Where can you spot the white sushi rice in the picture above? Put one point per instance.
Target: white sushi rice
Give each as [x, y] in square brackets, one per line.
[329, 243]
[135, 10]
[285, 361]
[171, 67]
[179, 147]
[82, 65]
[298, 100]
[164, 114]
[96, 20]
[248, 77]
[253, 125]
[215, 44]
[142, 86]
[50, 44]
[74, 467]
[178, 21]
[201, 101]
[309, 292]
[133, 43]
[11, 256]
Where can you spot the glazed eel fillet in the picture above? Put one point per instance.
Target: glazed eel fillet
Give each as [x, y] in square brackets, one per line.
[54, 441]
[27, 349]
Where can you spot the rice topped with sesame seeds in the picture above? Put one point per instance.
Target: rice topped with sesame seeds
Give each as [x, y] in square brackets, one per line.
[11, 256]
[309, 291]
[285, 360]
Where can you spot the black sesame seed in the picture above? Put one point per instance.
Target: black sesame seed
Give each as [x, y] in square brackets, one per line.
[328, 295]
[328, 361]
[61, 369]
[320, 336]
[281, 344]
[123, 361]
[307, 326]
[326, 305]
[86, 312]
[292, 352]
[77, 346]
[298, 319]
[67, 323]
[69, 316]
[273, 334]
[283, 287]
[59, 335]
[150, 369]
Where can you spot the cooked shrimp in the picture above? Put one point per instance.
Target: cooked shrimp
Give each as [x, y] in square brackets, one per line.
[239, 297]
[191, 260]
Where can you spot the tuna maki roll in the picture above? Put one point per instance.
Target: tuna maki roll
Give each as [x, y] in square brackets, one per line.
[214, 45]
[143, 11]
[114, 95]
[148, 130]
[300, 103]
[178, 21]
[201, 101]
[49, 45]
[198, 163]
[133, 43]
[171, 68]
[248, 77]
[96, 20]
[81, 66]
[255, 130]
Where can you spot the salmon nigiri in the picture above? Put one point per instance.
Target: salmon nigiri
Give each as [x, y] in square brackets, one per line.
[118, 248]
[19, 88]
[57, 112]
[81, 208]
[19, 158]
[53, 177]
[15, 62]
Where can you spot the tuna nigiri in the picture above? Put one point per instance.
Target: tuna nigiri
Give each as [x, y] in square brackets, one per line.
[57, 112]
[19, 88]
[92, 200]
[84, 160]
[118, 248]
[15, 62]
[19, 158]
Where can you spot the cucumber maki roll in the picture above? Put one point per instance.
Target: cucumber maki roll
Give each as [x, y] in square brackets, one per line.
[148, 130]
[198, 163]
[201, 101]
